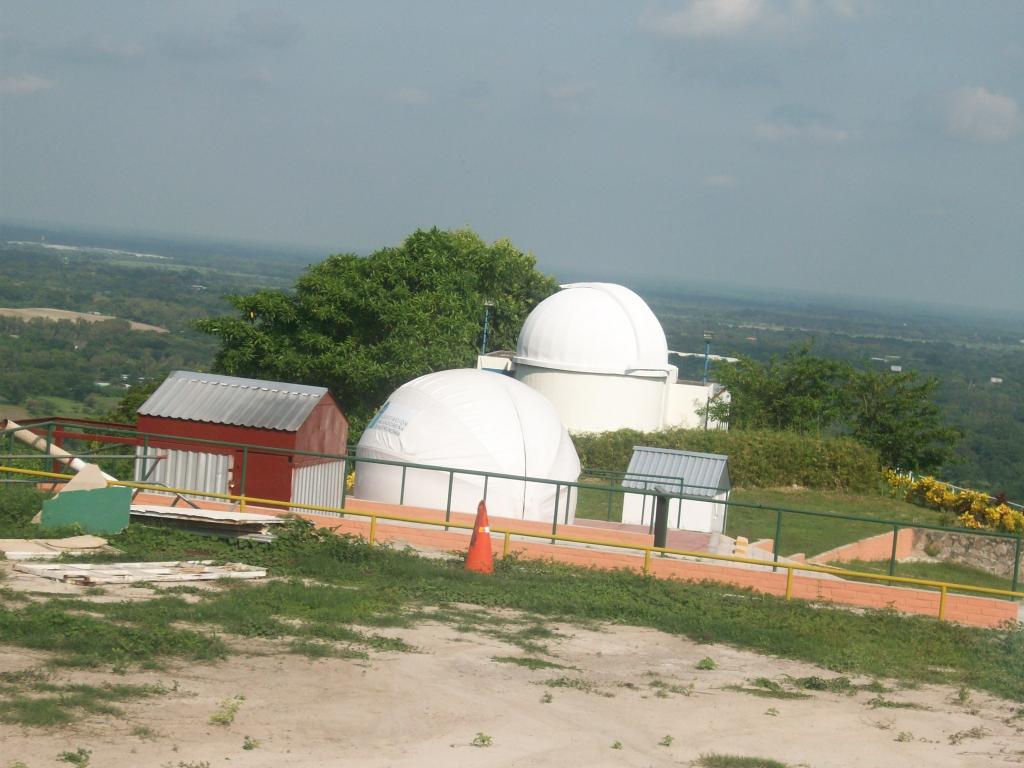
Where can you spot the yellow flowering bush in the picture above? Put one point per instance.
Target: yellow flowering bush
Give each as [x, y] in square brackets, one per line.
[970, 509]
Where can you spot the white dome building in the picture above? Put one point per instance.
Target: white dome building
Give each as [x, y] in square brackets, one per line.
[470, 420]
[598, 353]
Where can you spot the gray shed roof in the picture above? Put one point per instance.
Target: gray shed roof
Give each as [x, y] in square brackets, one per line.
[703, 474]
[232, 400]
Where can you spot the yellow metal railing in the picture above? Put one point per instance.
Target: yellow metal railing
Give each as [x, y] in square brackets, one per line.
[648, 550]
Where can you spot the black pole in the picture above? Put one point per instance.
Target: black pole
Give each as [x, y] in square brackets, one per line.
[661, 522]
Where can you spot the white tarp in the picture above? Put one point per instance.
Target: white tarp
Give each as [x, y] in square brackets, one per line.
[473, 420]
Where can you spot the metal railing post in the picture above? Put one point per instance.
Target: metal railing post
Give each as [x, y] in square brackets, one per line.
[942, 602]
[49, 444]
[608, 493]
[554, 518]
[486, 480]
[508, 543]
[344, 483]
[373, 529]
[145, 457]
[892, 555]
[245, 467]
[1016, 563]
[401, 491]
[448, 504]
[647, 561]
[789, 582]
[778, 535]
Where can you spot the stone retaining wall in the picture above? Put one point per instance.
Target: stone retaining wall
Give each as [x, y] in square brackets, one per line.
[988, 553]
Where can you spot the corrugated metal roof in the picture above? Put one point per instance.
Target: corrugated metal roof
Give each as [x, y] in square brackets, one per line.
[232, 400]
[703, 474]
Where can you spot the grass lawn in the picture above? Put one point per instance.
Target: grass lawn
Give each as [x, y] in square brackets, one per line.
[951, 572]
[812, 534]
[369, 587]
[809, 534]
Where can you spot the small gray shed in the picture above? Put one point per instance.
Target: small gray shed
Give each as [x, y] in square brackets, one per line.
[654, 470]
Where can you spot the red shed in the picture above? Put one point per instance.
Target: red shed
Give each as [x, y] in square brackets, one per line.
[266, 414]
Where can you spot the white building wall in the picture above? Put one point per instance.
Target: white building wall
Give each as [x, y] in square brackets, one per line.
[683, 514]
[595, 402]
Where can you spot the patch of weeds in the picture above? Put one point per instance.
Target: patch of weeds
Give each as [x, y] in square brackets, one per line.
[481, 740]
[80, 757]
[879, 703]
[904, 736]
[94, 591]
[616, 745]
[736, 761]
[977, 732]
[772, 712]
[530, 662]
[662, 689]
[666, 741]
[314, 649]
[832, 685]
[52, 704]
[767, 689]
[707, 663]
[181, 589]
[226, 711]
[144, 732]
[576, 683]
[547, 698]
[963, 696]
[249, 743]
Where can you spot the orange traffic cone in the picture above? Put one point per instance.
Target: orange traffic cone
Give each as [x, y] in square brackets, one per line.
[480, 559]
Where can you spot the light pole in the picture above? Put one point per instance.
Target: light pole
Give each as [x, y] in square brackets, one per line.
[707, 356]
[487, 316]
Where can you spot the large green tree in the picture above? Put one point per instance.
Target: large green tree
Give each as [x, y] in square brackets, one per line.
[895, 413]
[362, 326]
[890, 411]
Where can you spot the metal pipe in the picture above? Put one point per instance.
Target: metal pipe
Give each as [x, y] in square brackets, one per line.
[42, 444]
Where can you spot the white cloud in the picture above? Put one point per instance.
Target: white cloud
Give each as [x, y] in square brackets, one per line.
[814, 132]
[720, 181]
[800, 123]
[706, 18]
[718, 19]
[570, 97]
[412, 96]
[977, 113]
[19, 85]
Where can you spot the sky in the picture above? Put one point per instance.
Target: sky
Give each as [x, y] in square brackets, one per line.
[856, 146]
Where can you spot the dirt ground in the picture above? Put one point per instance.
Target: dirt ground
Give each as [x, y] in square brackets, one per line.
[47, 313]
[426, 707]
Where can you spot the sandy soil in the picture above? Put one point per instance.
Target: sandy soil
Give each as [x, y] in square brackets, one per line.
[28, 313]
[425, 708]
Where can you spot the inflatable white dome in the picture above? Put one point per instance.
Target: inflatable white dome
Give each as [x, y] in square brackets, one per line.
[593, 328]
[475, 420]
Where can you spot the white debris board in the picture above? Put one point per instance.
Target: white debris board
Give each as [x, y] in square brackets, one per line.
[87, 574]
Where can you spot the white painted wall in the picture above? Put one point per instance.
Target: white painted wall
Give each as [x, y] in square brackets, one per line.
[596, 402]
[683, 514]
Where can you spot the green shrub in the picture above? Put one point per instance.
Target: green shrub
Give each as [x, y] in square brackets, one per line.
[18, 504]
[757, 458]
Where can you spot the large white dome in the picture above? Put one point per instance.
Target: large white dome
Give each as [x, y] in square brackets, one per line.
[594, 328]
[475, 420]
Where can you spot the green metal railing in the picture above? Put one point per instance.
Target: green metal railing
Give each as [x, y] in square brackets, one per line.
[508, 532]
[564, 490]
